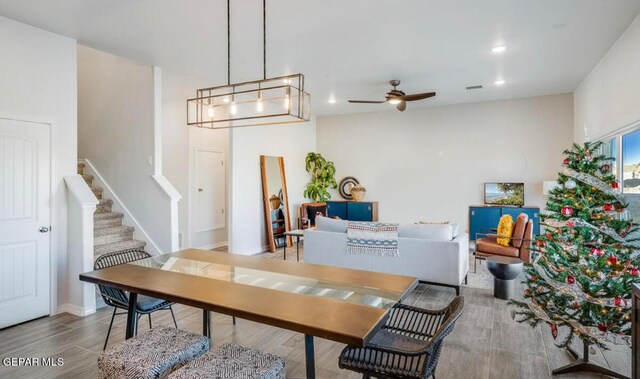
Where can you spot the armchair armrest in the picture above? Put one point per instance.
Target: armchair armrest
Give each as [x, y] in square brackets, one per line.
[494, 236]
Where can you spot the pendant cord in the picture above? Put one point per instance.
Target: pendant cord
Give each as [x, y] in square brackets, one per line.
[228, 44]
[264, 39]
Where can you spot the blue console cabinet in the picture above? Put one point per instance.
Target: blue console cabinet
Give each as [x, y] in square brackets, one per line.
[353, 211]
[482, 218]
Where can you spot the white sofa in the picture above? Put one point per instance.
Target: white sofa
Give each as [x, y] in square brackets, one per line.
[430, 253]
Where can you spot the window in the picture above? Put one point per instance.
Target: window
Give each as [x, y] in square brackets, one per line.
[631, 163]
[630, 173]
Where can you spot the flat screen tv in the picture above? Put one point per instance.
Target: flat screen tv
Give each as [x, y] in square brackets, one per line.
[504, 194]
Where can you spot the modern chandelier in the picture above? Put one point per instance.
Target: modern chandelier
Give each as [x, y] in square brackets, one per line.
[276, 100]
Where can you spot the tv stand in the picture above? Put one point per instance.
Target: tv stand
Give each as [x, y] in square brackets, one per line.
[482, 218]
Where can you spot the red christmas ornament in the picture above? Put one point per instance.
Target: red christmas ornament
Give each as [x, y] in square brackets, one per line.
[567, 211]
[613, 260]
[602, 327]
[527, 292]
[596, 252]
[571, 279]
[565, 161]
[619, 302]
[540, 243]
[607, 207]
[554, 331]
[615, 185]
[549, 236]
[534, 278]
[571, 224]
[633, 271]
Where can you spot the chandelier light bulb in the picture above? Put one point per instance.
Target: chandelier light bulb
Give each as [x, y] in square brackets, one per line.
[287, 102]
[259, 105]
[233, 109]
[210, 111]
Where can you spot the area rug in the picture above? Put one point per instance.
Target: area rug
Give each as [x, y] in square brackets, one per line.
[482, 278]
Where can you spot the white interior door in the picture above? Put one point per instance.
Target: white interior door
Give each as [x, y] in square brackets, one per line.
[24, 221]
[210, 190]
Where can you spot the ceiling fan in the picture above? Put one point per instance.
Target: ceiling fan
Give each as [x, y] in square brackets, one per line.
[397, 97]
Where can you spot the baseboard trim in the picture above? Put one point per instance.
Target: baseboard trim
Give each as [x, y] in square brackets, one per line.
[213, 245]
[75, 310]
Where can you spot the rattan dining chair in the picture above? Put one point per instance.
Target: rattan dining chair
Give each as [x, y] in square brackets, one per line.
[408, 345]
[119, 299]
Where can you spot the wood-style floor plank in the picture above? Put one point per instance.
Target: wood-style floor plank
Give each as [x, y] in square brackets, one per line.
[485, 344]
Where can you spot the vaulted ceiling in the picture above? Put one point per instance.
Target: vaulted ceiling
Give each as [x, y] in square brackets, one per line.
[351, 49]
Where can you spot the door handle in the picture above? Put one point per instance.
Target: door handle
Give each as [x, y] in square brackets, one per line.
[44, 229]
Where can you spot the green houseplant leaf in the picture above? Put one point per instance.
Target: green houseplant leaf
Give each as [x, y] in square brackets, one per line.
[322, 177]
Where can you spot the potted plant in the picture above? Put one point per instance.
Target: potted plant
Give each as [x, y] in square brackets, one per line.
[322, 177]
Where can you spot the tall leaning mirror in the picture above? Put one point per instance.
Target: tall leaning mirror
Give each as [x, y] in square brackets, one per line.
[276, 202]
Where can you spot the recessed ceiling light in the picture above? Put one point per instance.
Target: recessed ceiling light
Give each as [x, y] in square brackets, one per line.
[332, 100]
[499, 82]
[499, 49]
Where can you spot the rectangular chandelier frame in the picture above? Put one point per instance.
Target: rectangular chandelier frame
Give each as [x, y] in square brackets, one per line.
[278, 100]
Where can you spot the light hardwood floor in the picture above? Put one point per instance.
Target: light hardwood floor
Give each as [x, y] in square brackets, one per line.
[486, 342]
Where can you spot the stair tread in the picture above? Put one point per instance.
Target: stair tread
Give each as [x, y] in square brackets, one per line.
[87, 177]
[109, 230]
[106, 201]
[97, 189]
[117, 246]
[107, 215]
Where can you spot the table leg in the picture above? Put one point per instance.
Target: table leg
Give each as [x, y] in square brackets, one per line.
[131, 315]
[206, 323]
[298, 248]
[285, 249]
[309, 356]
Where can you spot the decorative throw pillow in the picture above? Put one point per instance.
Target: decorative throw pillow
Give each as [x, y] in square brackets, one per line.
[505, 229]
[313, 210]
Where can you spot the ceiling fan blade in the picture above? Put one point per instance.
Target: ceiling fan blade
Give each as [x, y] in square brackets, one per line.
[368, 101]
[402, 106]
[418, 96]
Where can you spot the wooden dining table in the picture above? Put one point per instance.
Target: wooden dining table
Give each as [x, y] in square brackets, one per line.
[338, 304]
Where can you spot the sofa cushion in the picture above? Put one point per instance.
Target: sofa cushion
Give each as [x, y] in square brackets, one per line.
[438, 232]
[326, 224]
[488, 246]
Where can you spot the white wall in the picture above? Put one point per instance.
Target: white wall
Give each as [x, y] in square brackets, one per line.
[291, 141]
[179, 148]
[607, 99]
[116, 134]
[38, 83]
[430, 163]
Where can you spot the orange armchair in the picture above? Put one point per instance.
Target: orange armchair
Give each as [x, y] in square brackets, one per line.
[519, 242]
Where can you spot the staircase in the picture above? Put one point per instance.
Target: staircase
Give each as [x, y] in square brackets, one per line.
[109, 233]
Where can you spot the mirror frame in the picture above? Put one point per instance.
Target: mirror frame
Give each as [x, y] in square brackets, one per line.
[267, 207]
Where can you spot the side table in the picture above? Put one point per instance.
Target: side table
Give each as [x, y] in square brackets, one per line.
[505, 270]
[294, 233]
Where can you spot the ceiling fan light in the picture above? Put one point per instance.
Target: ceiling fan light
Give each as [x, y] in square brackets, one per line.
[395, 101]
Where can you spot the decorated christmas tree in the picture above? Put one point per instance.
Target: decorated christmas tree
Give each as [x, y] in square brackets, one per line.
[586, 259]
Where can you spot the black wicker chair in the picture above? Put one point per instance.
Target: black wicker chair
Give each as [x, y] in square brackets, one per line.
[118, 298]
[407, 346]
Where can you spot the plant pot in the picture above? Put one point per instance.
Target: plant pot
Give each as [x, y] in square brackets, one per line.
[358, 192]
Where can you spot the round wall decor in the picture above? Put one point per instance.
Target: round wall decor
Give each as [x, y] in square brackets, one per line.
[345, 187]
